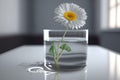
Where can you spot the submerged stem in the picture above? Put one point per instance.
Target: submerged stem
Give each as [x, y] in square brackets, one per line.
[60, 48]
[61, 41]
[56, 64]
[59, 53]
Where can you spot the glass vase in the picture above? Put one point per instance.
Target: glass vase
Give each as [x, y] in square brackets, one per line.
[65, 53]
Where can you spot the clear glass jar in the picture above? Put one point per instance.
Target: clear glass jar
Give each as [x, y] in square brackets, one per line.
[73, 48]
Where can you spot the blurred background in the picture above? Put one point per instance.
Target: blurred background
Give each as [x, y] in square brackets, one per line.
[22, 22]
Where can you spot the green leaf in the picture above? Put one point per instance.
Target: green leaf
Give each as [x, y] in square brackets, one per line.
[52, 49]
[65, 47]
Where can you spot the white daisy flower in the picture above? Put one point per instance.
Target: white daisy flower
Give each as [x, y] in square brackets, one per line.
[71, 15]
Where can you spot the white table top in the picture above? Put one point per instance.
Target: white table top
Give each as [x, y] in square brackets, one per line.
[102, 64]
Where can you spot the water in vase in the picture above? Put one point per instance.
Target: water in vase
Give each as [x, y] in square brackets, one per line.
[75, 59]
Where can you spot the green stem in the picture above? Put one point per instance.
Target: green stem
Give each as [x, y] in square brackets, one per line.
[56, 64]
[64, 34]
[62, 40]
[59, 53]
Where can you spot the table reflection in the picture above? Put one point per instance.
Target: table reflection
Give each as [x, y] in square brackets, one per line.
[114, 66]
[74, 75]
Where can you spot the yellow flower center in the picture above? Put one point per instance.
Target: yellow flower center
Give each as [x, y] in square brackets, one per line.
[70, 16]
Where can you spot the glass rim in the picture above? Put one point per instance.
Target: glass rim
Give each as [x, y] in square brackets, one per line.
[64, 30]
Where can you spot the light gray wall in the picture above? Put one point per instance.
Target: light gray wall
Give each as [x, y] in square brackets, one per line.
[43, 13]
[100, 15]
[32, 16]
[12, 17]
